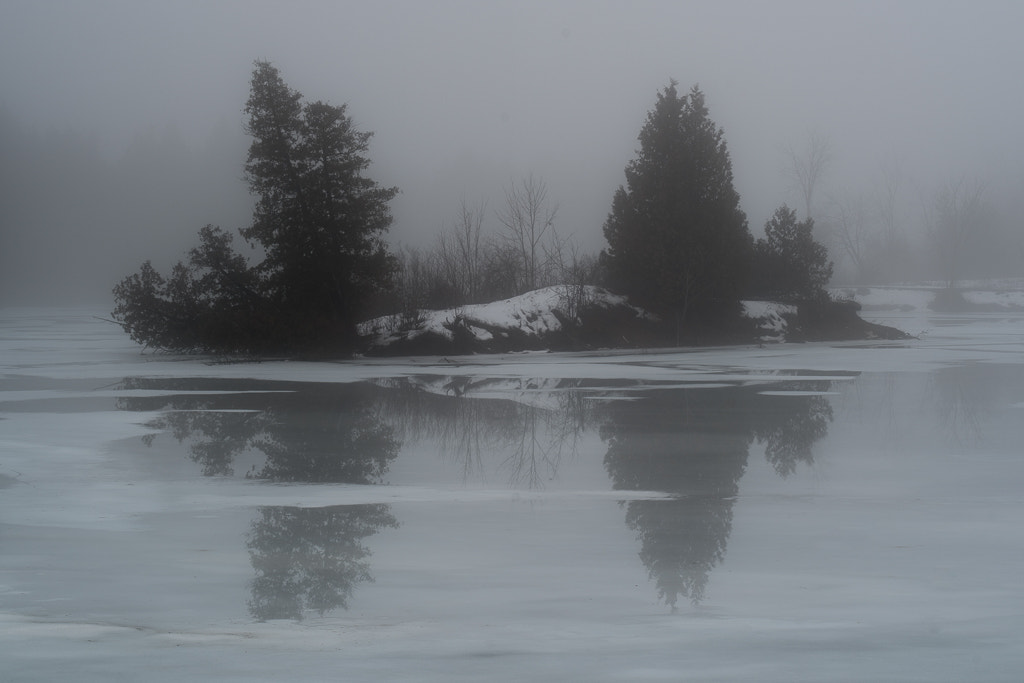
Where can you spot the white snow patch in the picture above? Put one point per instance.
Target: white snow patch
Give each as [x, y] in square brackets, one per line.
[770, 316]
[533, 314]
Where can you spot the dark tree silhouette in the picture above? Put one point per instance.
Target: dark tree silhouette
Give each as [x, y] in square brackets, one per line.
[318, 222]
[677, 238]
[305, 559]
[682, 539]
[700, 459]
[316, 433]
[789, 265]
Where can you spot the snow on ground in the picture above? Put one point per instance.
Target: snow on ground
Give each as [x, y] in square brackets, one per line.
[770, 316]
[535, 315]
[36, 342]
[532, 314]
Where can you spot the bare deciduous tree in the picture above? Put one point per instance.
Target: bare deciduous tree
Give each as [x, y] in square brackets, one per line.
[892, 258]
[573, 271]
[888, 205]
[461, 253]
[528, 220]
[808, 165]
[955, 217]
[850, 223]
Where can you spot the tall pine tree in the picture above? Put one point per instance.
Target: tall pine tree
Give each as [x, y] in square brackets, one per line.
[319, 220]
[678, 241]
[319, 223]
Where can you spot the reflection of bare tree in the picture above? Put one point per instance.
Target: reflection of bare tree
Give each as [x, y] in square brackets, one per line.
[545, 437]
[695, 443]
[962, 395]
[310, 559]
[532, 423]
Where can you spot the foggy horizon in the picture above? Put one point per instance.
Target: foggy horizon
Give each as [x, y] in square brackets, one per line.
[465, 98]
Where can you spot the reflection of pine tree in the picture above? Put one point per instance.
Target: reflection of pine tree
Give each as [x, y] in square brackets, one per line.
[695, 443]
[681, 540]
[305, 559]
[352, 448]
[310, 559]
[789, 427]
[217, 438]
[308, 432]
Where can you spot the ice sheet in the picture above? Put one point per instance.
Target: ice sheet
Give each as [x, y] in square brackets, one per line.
[893, 555]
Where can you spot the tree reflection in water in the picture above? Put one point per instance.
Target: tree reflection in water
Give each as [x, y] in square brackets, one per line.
[304, 558]
[695, 443]
[533, 423]
[310, 558]
[307, 432]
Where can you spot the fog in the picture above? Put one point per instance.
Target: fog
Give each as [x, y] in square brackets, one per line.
[121, 122]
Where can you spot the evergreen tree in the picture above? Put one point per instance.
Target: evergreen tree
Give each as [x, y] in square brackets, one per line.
[318, 219]
[318, 222]
[789, 264]
[677, 238]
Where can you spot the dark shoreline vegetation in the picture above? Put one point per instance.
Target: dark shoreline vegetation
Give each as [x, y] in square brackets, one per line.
[623, 327]
[679, 251]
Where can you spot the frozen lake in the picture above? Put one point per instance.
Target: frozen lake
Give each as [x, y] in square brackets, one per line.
[799, 512]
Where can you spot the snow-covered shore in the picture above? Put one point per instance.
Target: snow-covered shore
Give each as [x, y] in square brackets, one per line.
[562, 318]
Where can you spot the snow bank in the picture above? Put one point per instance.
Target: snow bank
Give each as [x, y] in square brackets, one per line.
[771, 318]
[530, 318]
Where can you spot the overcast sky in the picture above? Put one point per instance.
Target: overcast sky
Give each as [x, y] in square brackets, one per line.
[464, 97]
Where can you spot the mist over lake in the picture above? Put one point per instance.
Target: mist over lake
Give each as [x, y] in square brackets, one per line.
[511, 341]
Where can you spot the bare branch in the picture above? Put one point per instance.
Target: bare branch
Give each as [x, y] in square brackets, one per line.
[527, 219]
[807, 165]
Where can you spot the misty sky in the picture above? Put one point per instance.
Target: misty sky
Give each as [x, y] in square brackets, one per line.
[465, 97]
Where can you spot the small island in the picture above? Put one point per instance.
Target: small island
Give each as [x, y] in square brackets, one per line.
[680, 268]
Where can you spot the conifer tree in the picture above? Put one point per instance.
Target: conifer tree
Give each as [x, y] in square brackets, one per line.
[677, 239]
[789, 265]
[318, 223]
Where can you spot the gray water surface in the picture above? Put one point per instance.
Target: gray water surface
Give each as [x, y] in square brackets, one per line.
[753, 523]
